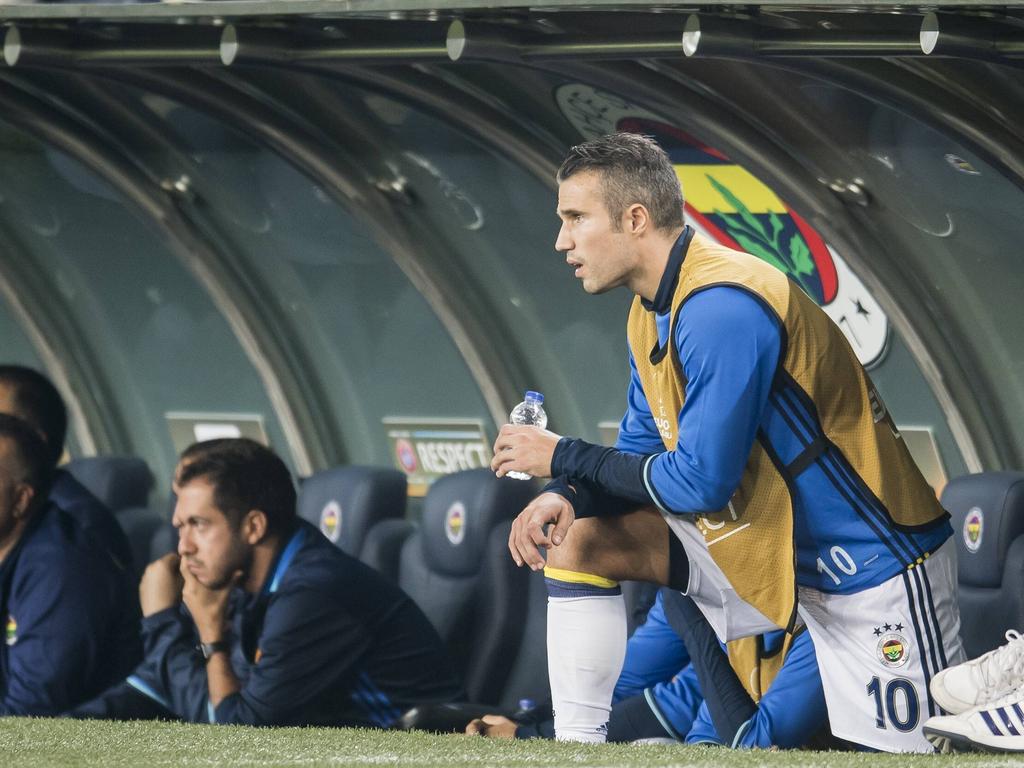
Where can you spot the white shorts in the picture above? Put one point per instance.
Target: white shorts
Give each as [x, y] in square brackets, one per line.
[879, 649]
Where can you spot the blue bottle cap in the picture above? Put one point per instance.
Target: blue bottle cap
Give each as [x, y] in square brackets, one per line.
[531, 395]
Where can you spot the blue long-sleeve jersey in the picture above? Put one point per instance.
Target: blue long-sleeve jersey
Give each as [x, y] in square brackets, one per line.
[729, 346]
[327, 641]
[70, 616]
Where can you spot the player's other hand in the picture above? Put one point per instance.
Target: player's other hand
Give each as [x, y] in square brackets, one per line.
[161, 585]
[492, 727]
[521, 448]
[528, 538]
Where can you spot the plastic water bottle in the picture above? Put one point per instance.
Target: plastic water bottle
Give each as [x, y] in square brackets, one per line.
[530, 411]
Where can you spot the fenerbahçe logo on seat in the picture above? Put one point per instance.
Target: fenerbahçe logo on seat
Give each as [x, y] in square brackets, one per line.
[330, 520]
[973, 529]
[455, 523]
[728, 204]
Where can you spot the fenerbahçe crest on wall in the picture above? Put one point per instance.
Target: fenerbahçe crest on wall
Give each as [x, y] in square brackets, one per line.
[728, 204]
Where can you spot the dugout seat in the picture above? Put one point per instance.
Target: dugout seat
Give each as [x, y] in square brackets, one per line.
[987, 512]
[456, 567]
[164, 540]
[382, 548]
[119, 482]
[140, 525]
[345, 503]
[528, 669]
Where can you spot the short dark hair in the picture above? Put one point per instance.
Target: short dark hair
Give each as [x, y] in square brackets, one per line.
[633, 169]
[30, 452]
[39, 403]
[245, 475]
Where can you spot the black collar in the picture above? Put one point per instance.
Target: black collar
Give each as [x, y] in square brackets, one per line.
[670, 278]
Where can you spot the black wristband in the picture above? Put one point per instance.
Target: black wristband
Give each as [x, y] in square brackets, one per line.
[206, 650]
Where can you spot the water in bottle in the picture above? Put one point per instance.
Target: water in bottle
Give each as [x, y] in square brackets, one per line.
[530, 411]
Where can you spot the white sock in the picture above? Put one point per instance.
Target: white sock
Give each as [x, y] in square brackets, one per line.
[586, 649]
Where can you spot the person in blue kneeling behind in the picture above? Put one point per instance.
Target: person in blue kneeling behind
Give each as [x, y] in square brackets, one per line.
[69, 612]
[679, 683]
[259, 620]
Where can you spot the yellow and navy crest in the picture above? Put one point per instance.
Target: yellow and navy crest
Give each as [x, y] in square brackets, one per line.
[11, 633]
[330, 520]
[893, 647]
[973, 529]
[455, 523]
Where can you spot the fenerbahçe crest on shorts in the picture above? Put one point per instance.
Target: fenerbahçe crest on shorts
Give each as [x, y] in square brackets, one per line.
[893, 647]
[11, 631]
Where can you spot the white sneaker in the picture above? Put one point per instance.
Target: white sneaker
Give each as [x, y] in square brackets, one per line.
[981, 680]
[994, 727]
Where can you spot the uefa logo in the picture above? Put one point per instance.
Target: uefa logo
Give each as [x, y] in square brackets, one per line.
[406, 455]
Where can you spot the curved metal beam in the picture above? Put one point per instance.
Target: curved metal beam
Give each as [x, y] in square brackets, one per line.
[307, 433]
[358, 188]
[144, 139]
[63, 350]
[456, 102]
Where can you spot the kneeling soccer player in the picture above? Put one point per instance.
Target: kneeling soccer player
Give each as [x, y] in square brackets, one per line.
[281, 627]
[751, 432]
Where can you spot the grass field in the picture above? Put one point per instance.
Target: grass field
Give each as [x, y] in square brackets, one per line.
[28, 743]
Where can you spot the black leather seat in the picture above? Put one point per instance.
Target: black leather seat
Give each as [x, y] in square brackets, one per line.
[346, 502]
[382, 548]
[988, 525]
[141, 525]
[527, 681]
[119, 482]
[456, 566]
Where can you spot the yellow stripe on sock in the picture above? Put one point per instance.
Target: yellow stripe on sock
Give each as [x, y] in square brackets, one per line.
[575, 577]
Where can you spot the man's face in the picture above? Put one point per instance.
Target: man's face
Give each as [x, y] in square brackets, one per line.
[210, 546]
[7, 399]
[603, 258]
[14, 494]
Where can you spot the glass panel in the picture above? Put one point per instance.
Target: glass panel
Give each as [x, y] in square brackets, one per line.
[378, 348]
[17, 349]
[953, 221]
[501, 221]
[156, 335]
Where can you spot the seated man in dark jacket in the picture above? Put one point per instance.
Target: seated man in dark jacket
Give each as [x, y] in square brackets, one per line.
[29, 395]
[282, 628]
[69, 612]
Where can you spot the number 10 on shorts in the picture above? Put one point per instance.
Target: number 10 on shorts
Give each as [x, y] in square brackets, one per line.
[896, 704]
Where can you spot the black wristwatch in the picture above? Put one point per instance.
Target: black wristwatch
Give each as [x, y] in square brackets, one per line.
[208, 649]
